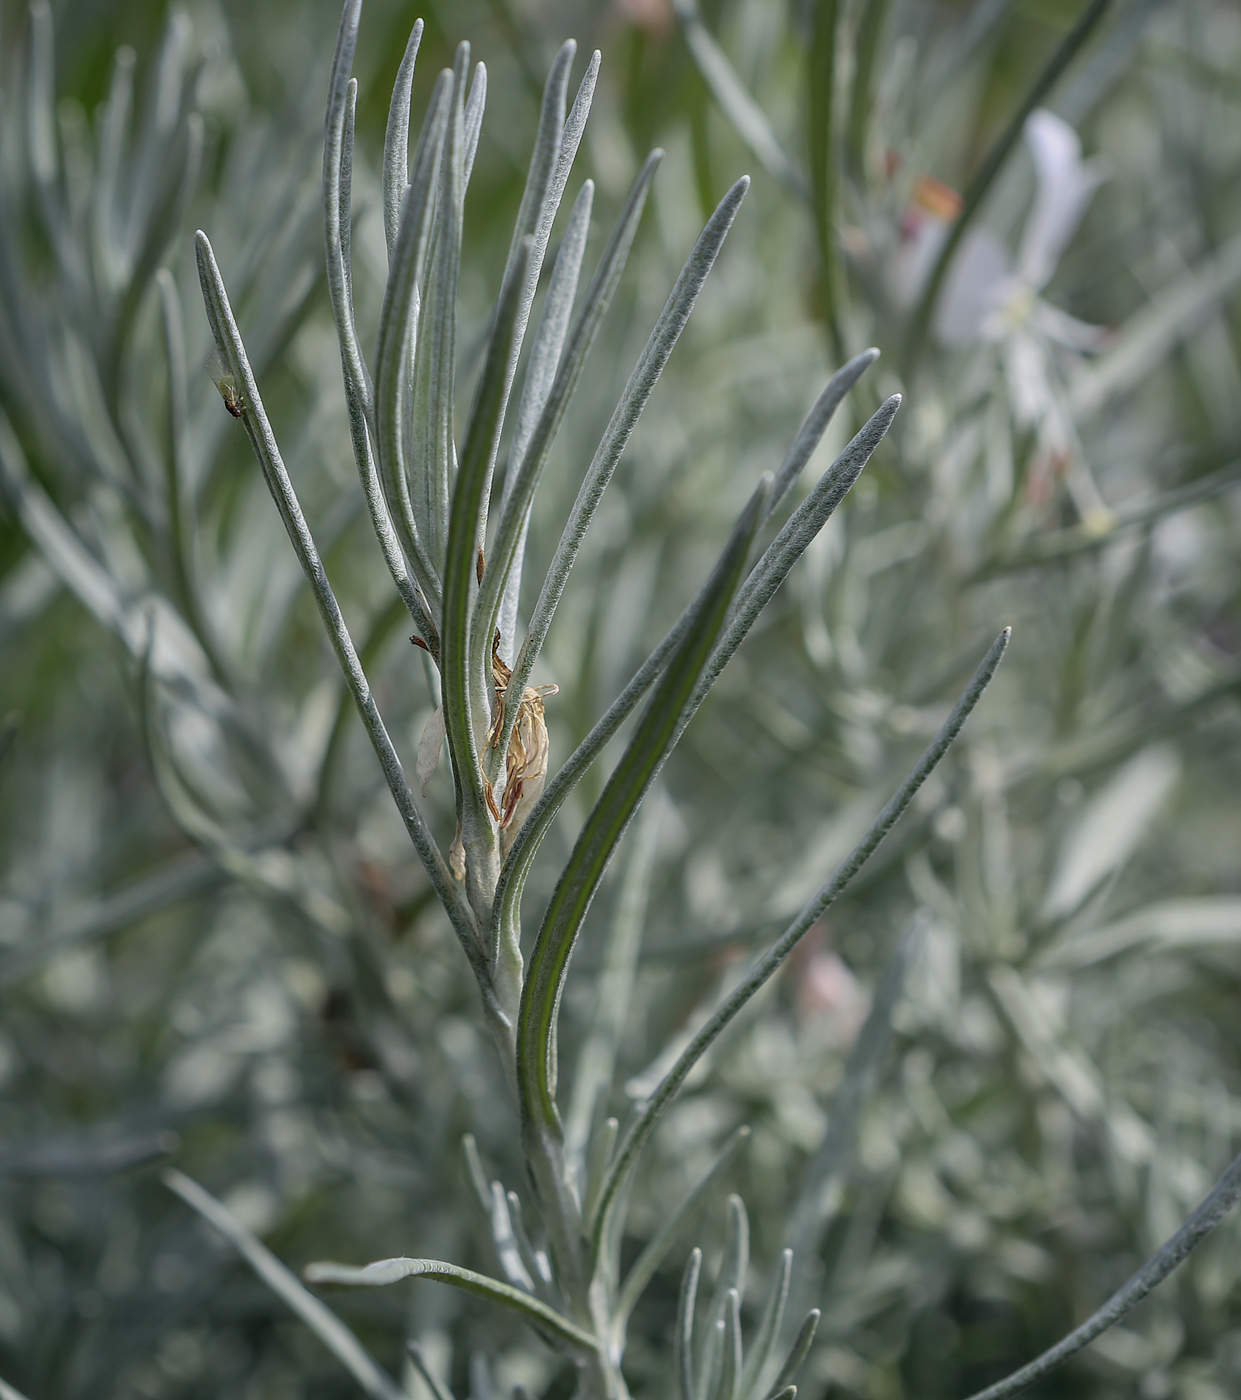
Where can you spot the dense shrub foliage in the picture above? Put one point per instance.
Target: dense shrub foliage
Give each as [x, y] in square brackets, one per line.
[249, 1025]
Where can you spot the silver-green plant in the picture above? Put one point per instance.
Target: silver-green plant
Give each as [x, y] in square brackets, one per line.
[459, 576]
[429, 504]
[567, 1285]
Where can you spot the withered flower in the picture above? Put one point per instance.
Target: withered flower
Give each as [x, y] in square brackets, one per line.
[525, 766]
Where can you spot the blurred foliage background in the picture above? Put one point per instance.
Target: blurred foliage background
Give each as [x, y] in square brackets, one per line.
[214, 942]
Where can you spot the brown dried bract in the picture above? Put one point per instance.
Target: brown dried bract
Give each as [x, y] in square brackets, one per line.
[526, 761]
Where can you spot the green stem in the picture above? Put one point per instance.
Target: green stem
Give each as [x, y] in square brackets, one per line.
[991, 167]
[821, 149]
[866, 49]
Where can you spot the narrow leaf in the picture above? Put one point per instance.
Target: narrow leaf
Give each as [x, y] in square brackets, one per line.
[428, 428]
[228, 340]
[685, 1325]
[712, 1358]
[113, 127]
[76, 1157]
[570, 138]
[330, 1330]
[41, 97]
[731, 1367]
[661, 1242]
[397, 322]
[177, 476]
[535, 1259]
[474, 105]
[822, 152]
[596, 1060]
[795, 536]
[810, 434]
[474, 1170]
[797, 1354]
[771, 961]
[824, 1173]
[466, 719]
[745, 116]
[505, 1241]
[385, 1271]
[545, 182]
[540, 373]
[597, 300]
[1221, 1199]
[598, 1159]
[632, 777]
[625, 417]
[763, 581]
[438, 1389]
[359, 394]
[768, 1327]
[736, 1258]
[336, 204]
[396, 140]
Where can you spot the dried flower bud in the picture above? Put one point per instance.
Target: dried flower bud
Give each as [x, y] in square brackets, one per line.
[525, 763]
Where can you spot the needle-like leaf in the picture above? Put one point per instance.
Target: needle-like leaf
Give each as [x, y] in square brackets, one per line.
[661, 1242]
[396, 140]
[540, 999]
[625, 789]
[730, 1368]
[797, 1354]
[228, 340]
[625, 417]
[330, 1330]
[1222, 1197]
[598, 299]
[824, 1172]
[437, 1387]
[540, 374]
[466, 719]
[427, 426]
[685, 1325]
[814, 909]
[385, 1271]
[768, 1327]
[398, 320]
[763, 581]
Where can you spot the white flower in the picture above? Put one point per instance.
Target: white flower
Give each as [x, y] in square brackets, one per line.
[986, 298]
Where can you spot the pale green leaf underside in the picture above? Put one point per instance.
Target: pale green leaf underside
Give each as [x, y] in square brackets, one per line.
[385, 1271]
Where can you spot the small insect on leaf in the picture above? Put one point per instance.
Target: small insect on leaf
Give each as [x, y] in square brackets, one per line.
[226, 383]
